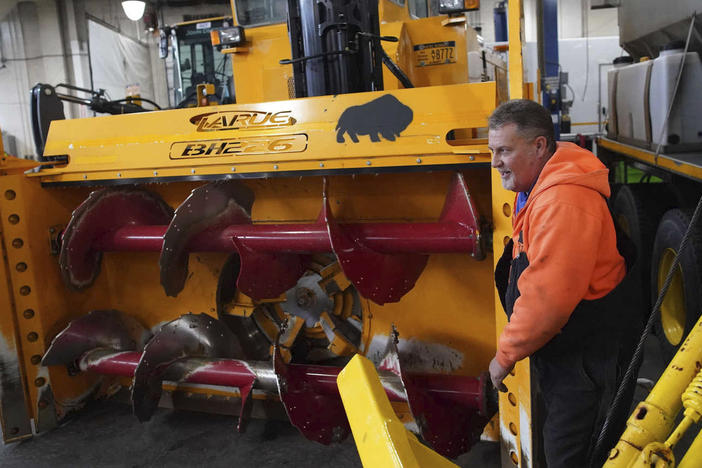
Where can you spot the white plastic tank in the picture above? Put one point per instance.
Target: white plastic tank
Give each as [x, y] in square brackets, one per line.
[683, 131]
[618, 63]
[633, 119]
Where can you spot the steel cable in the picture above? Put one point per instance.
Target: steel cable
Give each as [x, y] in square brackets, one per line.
[638, 353]
[636, 359]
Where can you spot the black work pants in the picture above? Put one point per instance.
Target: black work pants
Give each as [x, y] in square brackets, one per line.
[577, 388]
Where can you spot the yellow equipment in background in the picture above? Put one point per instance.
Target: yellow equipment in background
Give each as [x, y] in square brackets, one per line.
[227, 257]
[651, 432]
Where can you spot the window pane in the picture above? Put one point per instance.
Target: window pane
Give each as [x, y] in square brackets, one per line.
[261, 12]
[418, 8]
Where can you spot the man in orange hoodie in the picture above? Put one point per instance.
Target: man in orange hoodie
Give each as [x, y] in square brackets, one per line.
[560, 280]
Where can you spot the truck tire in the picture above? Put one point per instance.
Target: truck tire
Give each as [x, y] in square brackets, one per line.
[682, 304]
[636, 208]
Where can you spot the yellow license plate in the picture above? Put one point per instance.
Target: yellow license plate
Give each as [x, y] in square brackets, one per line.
[435, 53]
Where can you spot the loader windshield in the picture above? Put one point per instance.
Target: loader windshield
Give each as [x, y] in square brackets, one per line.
[199, 62]
[423, 8]
[261, 12]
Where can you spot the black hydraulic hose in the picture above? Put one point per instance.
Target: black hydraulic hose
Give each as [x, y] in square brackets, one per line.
[638, 354]
[132, 99]
[397, 71]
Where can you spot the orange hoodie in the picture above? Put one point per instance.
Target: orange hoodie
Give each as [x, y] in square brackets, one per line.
[569, 239]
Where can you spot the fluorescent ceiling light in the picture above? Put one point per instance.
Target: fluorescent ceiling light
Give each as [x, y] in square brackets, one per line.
[134, 9]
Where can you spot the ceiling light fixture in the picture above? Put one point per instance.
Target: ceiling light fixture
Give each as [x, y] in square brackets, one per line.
[134, 9]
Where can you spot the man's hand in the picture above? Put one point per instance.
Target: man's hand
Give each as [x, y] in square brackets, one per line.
[498, 374]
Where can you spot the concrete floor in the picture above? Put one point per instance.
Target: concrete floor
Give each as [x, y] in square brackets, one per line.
[106, 434]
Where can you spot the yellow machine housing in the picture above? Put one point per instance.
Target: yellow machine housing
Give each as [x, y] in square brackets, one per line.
[287, 152]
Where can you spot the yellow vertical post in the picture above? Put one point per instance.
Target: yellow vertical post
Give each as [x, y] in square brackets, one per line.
[516, 59]
[515, 405]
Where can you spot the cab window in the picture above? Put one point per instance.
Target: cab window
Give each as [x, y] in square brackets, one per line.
[418, 8]
[423, 8]
[261, 12]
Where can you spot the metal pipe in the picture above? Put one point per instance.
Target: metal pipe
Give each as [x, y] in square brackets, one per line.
[457, 389]
[390, 238]
[653, 419]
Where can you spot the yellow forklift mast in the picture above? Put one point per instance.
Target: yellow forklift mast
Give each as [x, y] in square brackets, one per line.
[233, 258]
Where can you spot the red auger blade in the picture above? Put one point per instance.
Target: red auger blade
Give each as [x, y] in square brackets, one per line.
[449, 429]
[377, 276]
[318, 416]
[210, 207]
[185, 337]
[109, 329]
[103, 212]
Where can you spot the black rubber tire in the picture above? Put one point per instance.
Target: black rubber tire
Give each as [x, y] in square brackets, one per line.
[637, 208]
[670, 232]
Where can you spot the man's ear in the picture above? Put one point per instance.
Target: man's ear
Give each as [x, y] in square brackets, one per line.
[541, 146]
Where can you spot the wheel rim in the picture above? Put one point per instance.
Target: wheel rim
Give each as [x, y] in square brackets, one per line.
[673, 313]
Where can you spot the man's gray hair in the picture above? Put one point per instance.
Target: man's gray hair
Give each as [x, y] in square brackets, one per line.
[531, 118]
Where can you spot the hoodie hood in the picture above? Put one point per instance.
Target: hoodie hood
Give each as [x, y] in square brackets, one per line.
[569, 165]
[572, 165]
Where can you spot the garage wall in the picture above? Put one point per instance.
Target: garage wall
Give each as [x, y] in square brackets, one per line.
[128, 35]
[575, 19]
[48, 41]
[31, 49]
[118, 62]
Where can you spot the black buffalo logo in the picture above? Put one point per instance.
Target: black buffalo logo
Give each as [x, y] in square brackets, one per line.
[384, 116]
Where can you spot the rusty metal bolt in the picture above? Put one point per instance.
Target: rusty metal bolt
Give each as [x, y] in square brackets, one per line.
[17, 243]
[25, 290]
[10, 194]
[36, 359]
[42, 403]
[32, 336]
[21, 266]
[13, 218]
[39, 382]
[29, 313]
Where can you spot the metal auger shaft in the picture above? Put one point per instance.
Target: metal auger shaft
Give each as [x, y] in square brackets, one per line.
[389, 238]
[461, 390]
